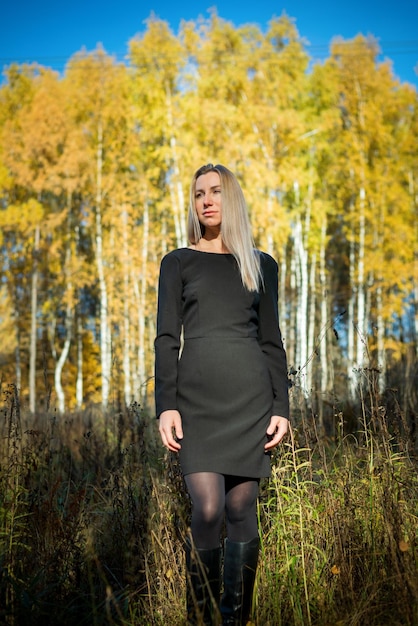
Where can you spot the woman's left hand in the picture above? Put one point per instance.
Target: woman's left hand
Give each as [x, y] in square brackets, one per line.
[277, 429]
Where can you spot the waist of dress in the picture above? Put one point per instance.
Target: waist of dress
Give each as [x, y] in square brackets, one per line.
[222, 338]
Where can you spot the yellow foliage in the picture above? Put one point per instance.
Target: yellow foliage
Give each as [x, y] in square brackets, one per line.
[101, 158]
[22, 217]
[7, 325]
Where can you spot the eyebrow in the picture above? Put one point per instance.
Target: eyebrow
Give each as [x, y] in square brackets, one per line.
[213, 187]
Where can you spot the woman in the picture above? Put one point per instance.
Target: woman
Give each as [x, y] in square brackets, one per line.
[221, 392]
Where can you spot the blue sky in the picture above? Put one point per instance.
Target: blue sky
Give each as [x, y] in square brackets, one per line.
[50, 32]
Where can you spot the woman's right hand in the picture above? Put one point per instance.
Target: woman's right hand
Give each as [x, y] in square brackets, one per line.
[170, 426]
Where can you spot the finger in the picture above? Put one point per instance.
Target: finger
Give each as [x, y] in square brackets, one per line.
[173, 445]
[278, 436]
[273, 426]
[163, 437]
[168, 440]
[272, 444]
[270, 430]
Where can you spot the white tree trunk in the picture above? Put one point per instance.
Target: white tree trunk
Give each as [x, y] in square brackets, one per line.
[105, 342]
[174, 182]
[142, 306]
[282, 296]
[79, 388]
[381, 354]
[324, 312]
[33, 328]
[176, 213]
[302, 296]
[126, 358]
[311, 322]
[351, 376]
[361, 296]
[60, 364]
[293, 345]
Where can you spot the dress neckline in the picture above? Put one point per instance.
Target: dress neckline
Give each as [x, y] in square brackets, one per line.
[207, 252]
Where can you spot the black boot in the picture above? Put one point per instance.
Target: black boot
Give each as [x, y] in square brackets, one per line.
[240, 565]
[203, 585]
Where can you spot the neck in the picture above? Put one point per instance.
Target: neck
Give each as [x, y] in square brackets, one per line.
[210, 243]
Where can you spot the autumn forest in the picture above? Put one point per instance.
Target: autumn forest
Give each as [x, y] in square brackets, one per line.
[95, 167]
[94, 174]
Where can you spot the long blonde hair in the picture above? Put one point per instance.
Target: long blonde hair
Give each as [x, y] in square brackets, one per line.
[235, 229]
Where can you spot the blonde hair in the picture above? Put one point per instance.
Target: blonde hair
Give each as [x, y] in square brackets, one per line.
[235, 229]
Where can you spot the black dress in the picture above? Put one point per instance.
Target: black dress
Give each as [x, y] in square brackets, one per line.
[227, 374]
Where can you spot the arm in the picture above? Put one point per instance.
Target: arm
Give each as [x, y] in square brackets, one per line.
[270, 340]
[167, 346]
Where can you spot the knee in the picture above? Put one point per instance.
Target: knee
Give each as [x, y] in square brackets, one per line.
[240, 512]
[236, 515]
[209, 514]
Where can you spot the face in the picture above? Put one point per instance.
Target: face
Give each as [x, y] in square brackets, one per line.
[208, 200]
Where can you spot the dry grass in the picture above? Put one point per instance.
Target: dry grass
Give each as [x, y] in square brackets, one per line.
[93, 515]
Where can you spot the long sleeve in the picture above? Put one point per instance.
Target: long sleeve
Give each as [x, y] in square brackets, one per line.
[270, 339]
[167, 341]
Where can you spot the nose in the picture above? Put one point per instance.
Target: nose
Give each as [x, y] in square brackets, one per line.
[207, 200]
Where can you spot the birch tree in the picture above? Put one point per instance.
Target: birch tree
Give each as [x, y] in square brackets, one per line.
[372, 119]
[97, 86]
[157, 58]
[97, 162]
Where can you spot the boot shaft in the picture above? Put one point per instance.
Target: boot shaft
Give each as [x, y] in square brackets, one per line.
[240, 565]
[203, 585]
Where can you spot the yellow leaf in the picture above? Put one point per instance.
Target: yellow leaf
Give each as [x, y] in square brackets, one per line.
[335, 570]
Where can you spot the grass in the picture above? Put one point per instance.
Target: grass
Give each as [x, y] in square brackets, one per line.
[93, 515]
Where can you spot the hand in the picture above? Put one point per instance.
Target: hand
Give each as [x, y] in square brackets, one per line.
[170, 426]
[277, 429]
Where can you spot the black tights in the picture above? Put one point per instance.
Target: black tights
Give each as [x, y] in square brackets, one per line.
[215, 496]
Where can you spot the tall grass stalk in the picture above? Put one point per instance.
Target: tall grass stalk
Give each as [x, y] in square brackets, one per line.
[94, 516]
